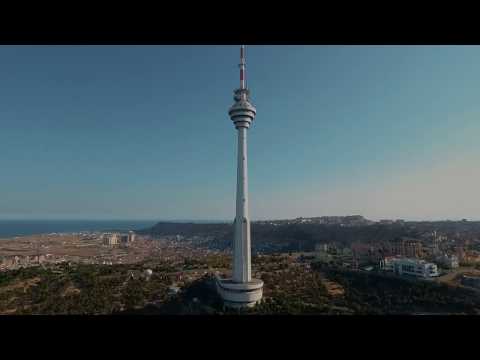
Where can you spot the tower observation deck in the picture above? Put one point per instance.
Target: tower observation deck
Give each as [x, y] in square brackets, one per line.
[241, 290]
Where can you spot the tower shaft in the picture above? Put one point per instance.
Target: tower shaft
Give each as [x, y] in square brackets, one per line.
[241, 248]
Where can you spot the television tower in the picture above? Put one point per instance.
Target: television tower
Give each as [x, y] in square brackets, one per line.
[241, 290]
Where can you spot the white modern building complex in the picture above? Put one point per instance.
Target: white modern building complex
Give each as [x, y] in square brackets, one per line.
[407, 266]
[241, 290]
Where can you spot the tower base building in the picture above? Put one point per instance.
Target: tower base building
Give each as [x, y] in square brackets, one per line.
[239, 295]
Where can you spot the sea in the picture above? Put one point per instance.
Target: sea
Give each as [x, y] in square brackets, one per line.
[12, 228]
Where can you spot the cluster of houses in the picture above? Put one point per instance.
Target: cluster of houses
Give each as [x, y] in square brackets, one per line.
[19, 261]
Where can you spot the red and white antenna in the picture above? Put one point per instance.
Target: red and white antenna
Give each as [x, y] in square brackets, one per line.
[242, 68]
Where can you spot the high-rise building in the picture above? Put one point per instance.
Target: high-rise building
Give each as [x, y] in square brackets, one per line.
[111, 239]
[406, 247]
[241, 290]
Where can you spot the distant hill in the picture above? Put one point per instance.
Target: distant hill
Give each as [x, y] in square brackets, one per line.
[299, 234]
[187, 229]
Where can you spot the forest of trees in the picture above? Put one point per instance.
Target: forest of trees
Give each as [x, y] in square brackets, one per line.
[82, 289]
[371, 293]
[95, 289]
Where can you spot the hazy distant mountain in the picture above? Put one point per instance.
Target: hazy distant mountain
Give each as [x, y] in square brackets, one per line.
[304, 233]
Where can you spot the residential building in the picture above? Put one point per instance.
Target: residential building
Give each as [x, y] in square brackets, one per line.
[448, 261]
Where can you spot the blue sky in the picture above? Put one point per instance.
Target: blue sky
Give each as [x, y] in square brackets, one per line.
[142, 132]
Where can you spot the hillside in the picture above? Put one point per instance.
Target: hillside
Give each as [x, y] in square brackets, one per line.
[290, 288]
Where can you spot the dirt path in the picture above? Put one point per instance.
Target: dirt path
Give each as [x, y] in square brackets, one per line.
[333, 288]
[26, 284]
[450, 278]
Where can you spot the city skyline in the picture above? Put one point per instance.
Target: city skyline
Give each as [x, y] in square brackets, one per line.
[115, 132]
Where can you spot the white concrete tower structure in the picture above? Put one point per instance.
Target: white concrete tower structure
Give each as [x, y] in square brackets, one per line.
[241, 290]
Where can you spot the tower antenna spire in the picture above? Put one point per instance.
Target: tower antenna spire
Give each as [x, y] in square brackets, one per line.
[242, 68]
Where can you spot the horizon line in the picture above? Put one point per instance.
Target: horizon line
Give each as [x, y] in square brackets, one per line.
[231, 220]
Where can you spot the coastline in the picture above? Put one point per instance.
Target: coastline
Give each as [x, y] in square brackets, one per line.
[16, 228]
